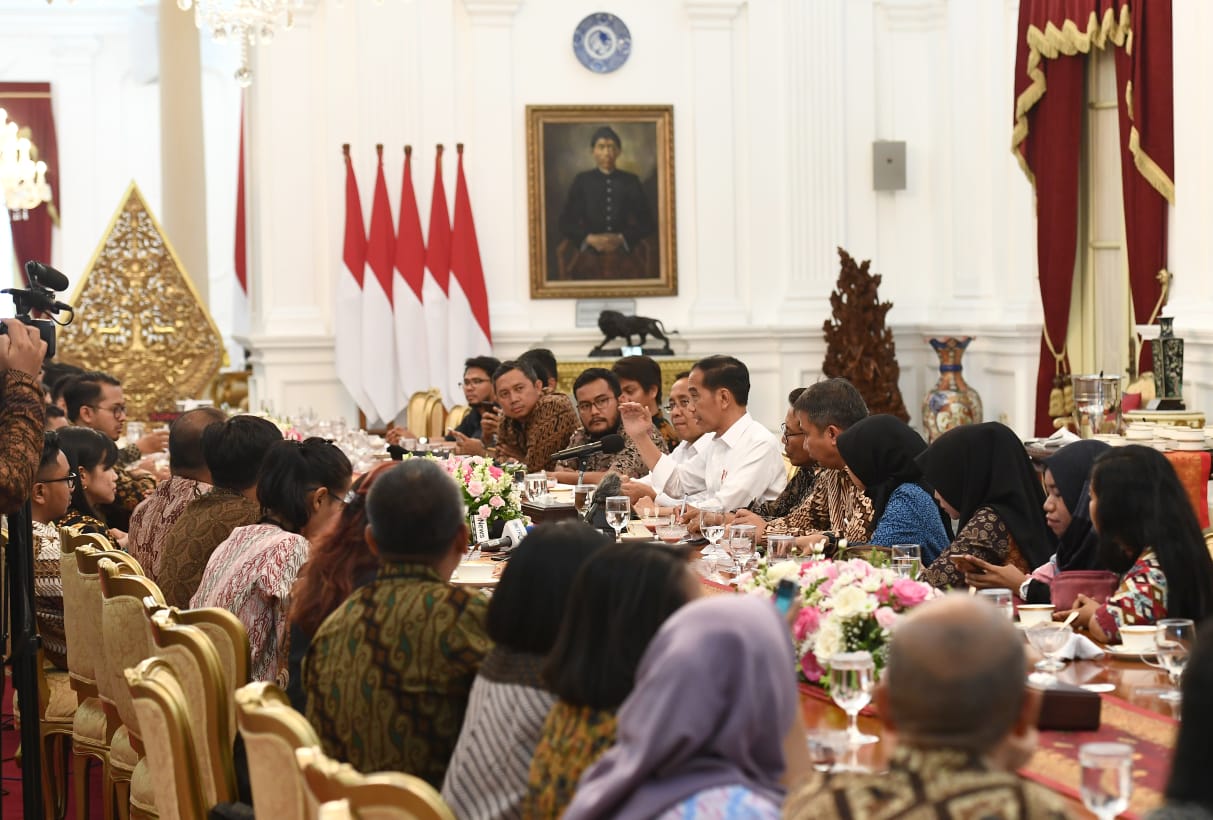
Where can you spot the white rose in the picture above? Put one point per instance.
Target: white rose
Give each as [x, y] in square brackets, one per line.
[782, 570]
[829, 640]
[850, 601]
[872, 583]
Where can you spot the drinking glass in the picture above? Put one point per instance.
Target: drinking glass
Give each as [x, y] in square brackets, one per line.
[779, 547]
[1107, 777]
[583, 494]
[1174, 641]
[711, 527]
[740, 540]
[671, 533]
[1050, 639]
[536, 485]
[618, 511]
[1000, 598]
[134, 431]
[654, 520]
[852, 675]
[827, 747]
[907, 560]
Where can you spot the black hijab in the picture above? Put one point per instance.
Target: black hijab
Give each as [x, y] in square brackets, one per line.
[880, 451]
[1078, 546]
[985, 465]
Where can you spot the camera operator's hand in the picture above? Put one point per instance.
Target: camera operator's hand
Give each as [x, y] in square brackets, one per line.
[21, 348]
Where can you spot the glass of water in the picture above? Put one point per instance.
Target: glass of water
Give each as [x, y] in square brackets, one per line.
[741, 544]
[618, 511]
[1173, 642]
[536, 485]
[907, 560]
[1107, 777]
[711, 526]
[780, 546]
[852, 676]
[1000, 598]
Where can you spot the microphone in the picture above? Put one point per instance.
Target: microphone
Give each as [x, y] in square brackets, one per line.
[610, 443]
[43, 274]
[511, 536]
[596, 510]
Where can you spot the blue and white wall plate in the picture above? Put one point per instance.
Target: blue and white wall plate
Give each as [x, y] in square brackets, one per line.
[602, 42]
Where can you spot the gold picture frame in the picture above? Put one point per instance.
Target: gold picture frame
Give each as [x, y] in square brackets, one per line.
[601, 226]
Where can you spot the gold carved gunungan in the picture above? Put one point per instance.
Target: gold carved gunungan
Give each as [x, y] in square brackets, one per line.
[139, 318]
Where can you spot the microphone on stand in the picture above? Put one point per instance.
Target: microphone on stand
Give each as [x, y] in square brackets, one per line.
[511, 537]
[595, 513]
[610, 443]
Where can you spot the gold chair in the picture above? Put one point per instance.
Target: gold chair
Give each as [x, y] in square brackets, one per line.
[378, 796]
[230, 640]
[1208, 533]
[455, 416]
[435, 416]
[417, 413]
[160, 703]
[127, 640]
[272, 731]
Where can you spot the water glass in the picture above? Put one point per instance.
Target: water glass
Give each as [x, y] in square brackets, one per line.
[618, 511]
[1107, 777]
[536, 485]
[779, 547]
[711, 526]
[1173, 640]
[852, 676]
[741, 544]
[583, 494]
[1050, 639]
[907, 560]
[827, 748]
[134, 431]
[1000, 598]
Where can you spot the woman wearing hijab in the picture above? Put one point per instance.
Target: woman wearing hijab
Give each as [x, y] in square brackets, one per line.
[879, 452]
[1066, 499]
[701, 734]
[983, 478]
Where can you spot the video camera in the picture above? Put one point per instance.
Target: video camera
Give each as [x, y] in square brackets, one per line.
[40, 296]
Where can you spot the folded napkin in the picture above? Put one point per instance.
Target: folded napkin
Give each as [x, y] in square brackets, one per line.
[1059, 439]
[1081, 648]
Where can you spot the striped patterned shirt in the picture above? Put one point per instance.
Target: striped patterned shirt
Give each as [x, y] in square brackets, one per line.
[834, 503]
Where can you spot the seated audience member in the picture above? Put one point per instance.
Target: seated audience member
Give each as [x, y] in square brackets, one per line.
[742, 462]
[543, 361]
[983, 479]
[536, 423]
[509, 701]
[620, 598]
[834, 504]
[879, 452]
[1189, 790]
[954, 692]
[597, 392]
[640, 381]
[479, 427]
[233, 452]
[1149, 534]
[92, 456]
[190, 479]
[677, 475]
[388, 673]
[300, 488]
[703, 731]
[801, 483]
[1067, 498]
[49, 499]
[340, 562]
[58, 375]
[96, 400]
[55, 417]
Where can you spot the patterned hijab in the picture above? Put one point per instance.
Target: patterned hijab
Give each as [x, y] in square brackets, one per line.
[714, 696]
[985, 465]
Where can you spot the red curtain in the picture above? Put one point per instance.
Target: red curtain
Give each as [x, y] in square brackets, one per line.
[1054, 38]
[29, 105]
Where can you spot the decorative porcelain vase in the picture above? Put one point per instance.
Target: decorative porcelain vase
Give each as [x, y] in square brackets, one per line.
[1168, 365]
[951, 402]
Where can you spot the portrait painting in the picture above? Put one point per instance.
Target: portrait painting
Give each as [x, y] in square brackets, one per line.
[600, 183]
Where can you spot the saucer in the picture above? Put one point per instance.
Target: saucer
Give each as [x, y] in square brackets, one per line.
[491, 582]
[1118, 651]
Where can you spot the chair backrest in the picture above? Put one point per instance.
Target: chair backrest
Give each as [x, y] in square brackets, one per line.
[455, 416]
[81, 621]
[335, 810]
[435, 418]
[272, 731]
[189, 651]
[160, 703]
[378, 796]
[126, 635]
[417, 411]
[230, 639]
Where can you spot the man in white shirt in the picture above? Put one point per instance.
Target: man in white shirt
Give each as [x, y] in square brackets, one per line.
[673, 476]
[743, 461]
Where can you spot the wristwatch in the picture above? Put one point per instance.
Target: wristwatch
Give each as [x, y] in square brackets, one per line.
[1023, 588]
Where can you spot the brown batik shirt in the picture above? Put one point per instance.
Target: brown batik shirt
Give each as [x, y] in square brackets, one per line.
[627, 462]
[834, 503]
[547, 428]
[22, 419]
[205, 523]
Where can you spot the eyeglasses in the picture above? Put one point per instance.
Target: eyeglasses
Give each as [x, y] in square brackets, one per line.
[683, 403]
[602, 403]
[783, 428]
[70, 478]
[119, 410]
[474, 382]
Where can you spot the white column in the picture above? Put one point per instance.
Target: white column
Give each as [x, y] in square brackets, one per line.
[713, 264]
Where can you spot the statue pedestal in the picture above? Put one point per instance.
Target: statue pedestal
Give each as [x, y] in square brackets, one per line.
[618, 352]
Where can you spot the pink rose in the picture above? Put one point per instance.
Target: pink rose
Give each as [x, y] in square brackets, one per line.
[886, 617]
[496, 472]
[811, 668]
[909, 593]
[496, 502]
[807, 620]
[484, 511]
[475, 488]
[882, 594]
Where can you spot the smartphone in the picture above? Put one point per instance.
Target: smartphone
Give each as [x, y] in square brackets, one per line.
[965, 564]
[785, 593]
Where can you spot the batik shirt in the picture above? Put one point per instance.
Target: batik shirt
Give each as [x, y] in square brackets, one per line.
[48, 594]
[151, 520]
[1141, 598]
[834, 503]
[205, 523]
[572, 740]
[388, 674]
[21, 423]
[131, 488]
[798, 489]
[921, 784]
[627, 462]
[667, 432]
[79, 522]
[985, 536]
[548, 428]
[251, 575]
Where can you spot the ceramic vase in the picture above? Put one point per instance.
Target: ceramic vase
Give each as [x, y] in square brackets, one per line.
[1168, 362]
[951, 402]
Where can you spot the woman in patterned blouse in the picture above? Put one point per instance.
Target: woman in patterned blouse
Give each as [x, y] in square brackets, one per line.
[1149, 533]
[983, 478]
[619, 600]
[301, 488]
[92, 456]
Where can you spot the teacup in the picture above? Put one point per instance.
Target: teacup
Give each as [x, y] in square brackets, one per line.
[473, 572]
[1138, 638]
[1032, 614]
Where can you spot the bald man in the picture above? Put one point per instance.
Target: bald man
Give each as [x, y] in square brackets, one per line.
[954, 693]
[190, 478]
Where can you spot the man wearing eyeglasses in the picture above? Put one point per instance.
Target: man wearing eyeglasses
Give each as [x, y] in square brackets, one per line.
[597, 393]
[679, 475]
[51, 496]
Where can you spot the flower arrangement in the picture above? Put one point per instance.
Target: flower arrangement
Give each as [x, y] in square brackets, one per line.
[489, 491]
[846, 606]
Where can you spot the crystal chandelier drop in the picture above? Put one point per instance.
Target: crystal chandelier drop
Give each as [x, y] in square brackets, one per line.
[23, 179]
[247, 22]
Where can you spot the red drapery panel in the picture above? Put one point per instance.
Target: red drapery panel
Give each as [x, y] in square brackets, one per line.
[1054, 38]
[29, 105]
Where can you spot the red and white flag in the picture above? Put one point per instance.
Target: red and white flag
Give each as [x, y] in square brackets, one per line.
[470, 332]
[378, 327]
[347, 315]
[434, 291]
[240, 307]
[408, 307]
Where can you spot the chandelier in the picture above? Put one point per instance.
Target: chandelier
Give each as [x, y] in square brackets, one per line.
[246, 22]
[22, 178]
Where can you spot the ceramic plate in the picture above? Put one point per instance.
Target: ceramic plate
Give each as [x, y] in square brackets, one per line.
[492, 582]
[602, 43]
[1118, 651]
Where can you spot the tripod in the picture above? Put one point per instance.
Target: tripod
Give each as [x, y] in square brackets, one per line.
[23, 656]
